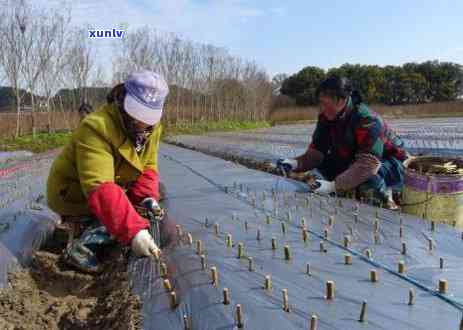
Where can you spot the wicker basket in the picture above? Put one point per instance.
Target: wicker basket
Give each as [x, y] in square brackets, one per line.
[436, 197]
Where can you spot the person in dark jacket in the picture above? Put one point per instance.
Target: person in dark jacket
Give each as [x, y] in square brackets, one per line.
[352, 147]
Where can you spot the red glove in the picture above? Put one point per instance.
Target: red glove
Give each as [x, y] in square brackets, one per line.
[111, 206]
[147, 185]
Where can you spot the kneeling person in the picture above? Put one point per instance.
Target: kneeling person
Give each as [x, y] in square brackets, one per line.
[108, 169]
[352, 147]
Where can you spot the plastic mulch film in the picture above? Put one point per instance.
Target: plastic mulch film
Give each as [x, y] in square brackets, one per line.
[236, 213]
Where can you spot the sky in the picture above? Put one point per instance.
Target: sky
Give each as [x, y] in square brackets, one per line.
[285, 36]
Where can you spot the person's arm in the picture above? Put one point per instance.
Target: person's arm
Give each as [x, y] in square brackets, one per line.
[368, 155]
[315, 153]
[147, 184]
[311, 159]
[106, 200]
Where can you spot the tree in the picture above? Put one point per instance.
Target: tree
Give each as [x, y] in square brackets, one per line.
[11, 52]
[302, 86]
[277, 82]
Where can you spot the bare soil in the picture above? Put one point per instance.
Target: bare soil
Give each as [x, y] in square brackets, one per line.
[50, 295]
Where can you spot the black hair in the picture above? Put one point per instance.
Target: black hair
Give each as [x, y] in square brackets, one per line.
[116, 95]
[85, 108]
[339, 87]
[335, 86]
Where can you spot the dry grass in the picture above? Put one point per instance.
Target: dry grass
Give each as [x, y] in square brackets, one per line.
[443, 109]
[59, 121]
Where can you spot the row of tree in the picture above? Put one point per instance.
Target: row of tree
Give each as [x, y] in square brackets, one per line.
[411, 83]
[42, 53]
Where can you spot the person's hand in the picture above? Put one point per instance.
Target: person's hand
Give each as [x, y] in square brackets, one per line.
[152, 205]
[323, 187]
[286, 165]
[143, 245]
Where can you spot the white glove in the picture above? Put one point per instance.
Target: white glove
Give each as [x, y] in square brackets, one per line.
[288, 164]
[326, 187]
[143, 245]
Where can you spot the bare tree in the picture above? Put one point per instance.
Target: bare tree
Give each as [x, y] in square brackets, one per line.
[51, 75]
[11, 52]
[80, 60]
[206, 82]
[40, 34]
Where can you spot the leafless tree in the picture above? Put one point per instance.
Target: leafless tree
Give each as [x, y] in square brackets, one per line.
[11, 53]
[80, 60]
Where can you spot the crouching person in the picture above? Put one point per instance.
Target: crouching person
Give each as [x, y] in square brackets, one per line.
[108, 169]
[352, 148]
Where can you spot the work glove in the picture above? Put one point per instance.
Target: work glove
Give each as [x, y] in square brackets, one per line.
[143, 245]
[286, 165]
[323, 187]
[152, 205]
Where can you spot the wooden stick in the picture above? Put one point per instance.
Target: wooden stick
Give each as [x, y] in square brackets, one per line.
[308, 270]
[287, 252]
[251, 264]
[167, 285]
[368, 253]
[404, 248]
[433, 226]
[216, 229]
[374, 276]
[268, 283]
[258, 234]
[186, 322]
[274, 243]
[203, 262]
[411, 297]
[401, 267]
[348, 259]
[322, 247]
[226, 296]
[215, 276]
[443, 286]
[283, 228]
[239, 317]
[268, 219]
[285, 300]
[363, 312]
[346, 241]
[173, 300]
[240, 250]
[441, 263]
[229, 240]
[313, 322]
[331, 221]
[199, 247]
[330, 290]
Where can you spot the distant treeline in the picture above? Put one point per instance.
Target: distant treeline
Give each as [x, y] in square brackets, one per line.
[411, 83]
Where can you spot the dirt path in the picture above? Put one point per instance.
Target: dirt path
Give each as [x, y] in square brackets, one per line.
[49, 295]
